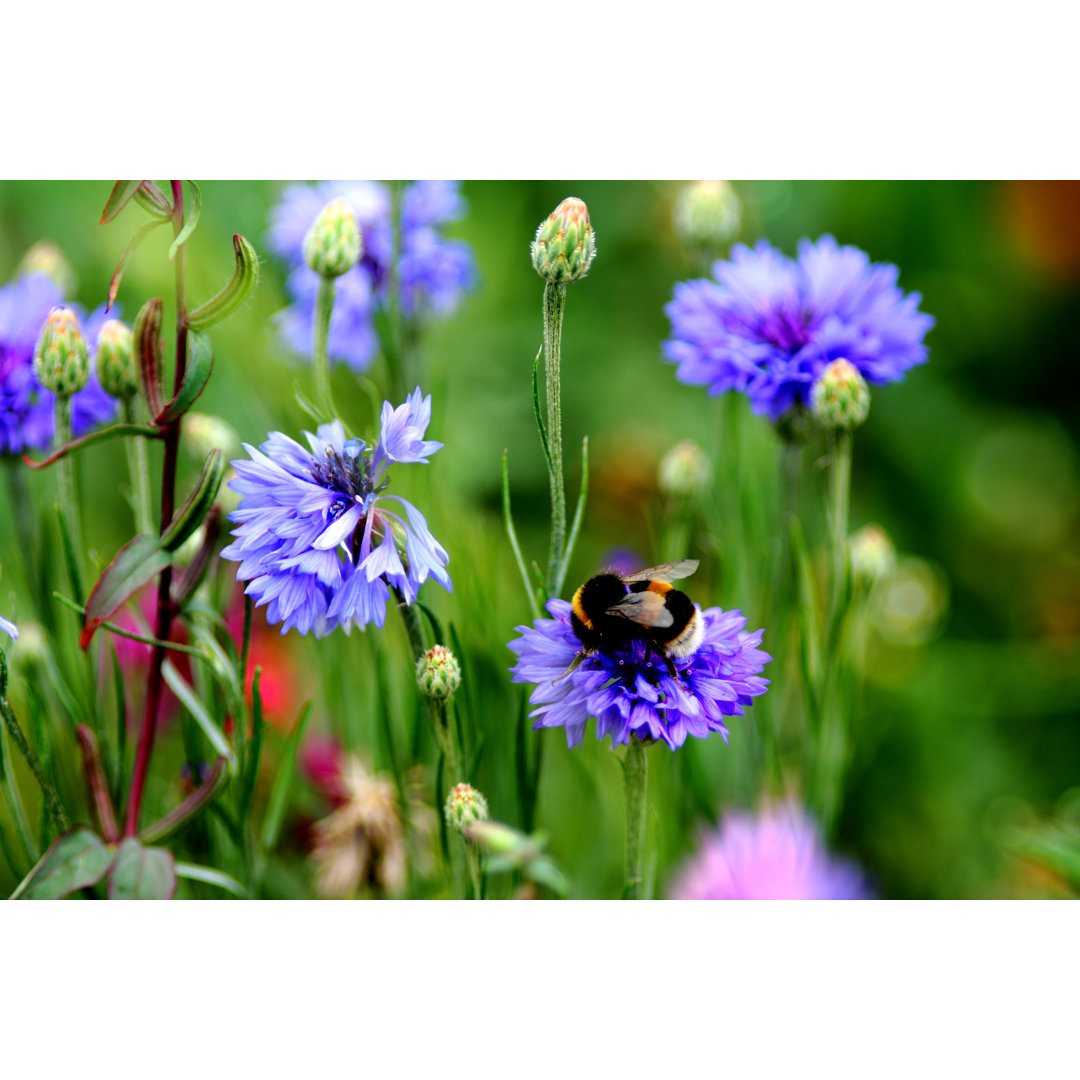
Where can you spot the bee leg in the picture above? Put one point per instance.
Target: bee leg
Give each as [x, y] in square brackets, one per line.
[574, 664]
[673, 671]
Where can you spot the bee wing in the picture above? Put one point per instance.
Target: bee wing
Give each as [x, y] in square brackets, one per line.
[669, 571]
[643, 608]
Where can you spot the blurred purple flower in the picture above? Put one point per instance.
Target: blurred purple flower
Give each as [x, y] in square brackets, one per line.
[26, 408]
[9, 628]
[315, 539]
[777, 855]
[767, 325]
[434, 272]
[630, 691]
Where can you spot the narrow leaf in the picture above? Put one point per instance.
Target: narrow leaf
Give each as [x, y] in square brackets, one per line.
[236, 291]
[152, 199]
[147, 331]
[140, 235]
[121, 192]
[279, 794]
[209, 876]
[511, 532]
[196, 569]
[251, 774]
[579, 515]
[536, 412]
[191, 220]
[76, 860]
[190, 808]
[101, 435]
[196, 375]
[141, 873]
[96, 782]
[135, 564]
[180, 687]
[191, 515]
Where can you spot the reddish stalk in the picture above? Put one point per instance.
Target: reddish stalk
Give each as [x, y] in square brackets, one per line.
[171, 438]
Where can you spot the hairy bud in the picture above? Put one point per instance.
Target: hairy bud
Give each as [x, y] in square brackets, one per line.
[115, 360]
[840, 398]
[564, 247]
[332, 245]
[464, 807]
[872, 553]
[438, 673]
[61, 357]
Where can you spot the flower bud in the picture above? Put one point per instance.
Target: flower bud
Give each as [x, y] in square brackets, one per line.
[465, 806]
[872, 553]
[115, 360]
[332, 245]
[204, 433]
[840, 398]
[46, 258]
[438, 672]
[684, 470]
[564, 246]
[61, 358]
[707, 214]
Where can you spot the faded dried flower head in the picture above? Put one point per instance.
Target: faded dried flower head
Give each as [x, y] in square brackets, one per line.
[360, 847]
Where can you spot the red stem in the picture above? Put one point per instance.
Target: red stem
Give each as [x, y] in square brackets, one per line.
[171, 436]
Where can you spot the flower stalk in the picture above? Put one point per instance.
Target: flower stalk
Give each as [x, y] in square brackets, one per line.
[554, 303]
[635, 772]
[139, 465]
[324, 308]
[164, 615]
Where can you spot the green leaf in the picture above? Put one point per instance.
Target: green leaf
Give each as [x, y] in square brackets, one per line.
[251, 774]
[180, 687]
[118, 198]
[536, 411]
[135, 564]
[141, 873]
[152, 199]
[1053, 845]
[190, 808]
[200, 363]
[140, 235]
[191, 220]
[191, 515]
[236, 291]
[210, 876]
[76, 860]
[147, 332]
[279, 794]
[579, 516]
[101, 435]
[511, 532]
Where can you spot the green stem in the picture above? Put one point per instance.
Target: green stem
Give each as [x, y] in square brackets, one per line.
[635, 770]
[324, 308]
[13, 802]
[138, 463]
[833, 746]
[554, 302]
[472, 858]
[52, 801]
[69, 504]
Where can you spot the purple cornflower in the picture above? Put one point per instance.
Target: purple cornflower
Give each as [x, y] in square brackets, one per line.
[26, 408]
[315, 538]
[434, 272]
[768, 324]
[777, 855]
[630, 691]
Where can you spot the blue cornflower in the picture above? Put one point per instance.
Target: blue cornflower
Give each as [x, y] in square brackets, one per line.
[434, 272]
[9, 628]
[26, 408]
[316, 539]
[629, 691]
[768, 324]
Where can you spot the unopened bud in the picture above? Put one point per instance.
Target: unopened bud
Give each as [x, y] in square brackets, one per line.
[465, 806]
[61, 358]
[204, 433]
[115, 360]
[438, 672]
[332, 245]
[872, 553]
[707, 214]
[564, 247]
[840, 398]
[684, 470]
[46, 258]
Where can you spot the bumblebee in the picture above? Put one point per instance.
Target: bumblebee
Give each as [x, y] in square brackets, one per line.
[610, 610]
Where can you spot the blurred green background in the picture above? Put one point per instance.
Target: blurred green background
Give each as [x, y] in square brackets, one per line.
[973, 694]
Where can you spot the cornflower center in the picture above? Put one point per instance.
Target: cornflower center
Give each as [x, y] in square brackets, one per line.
[351, 474]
